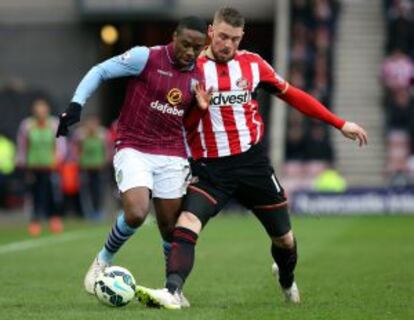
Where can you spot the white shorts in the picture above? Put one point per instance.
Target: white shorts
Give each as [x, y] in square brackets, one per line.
[165, 176]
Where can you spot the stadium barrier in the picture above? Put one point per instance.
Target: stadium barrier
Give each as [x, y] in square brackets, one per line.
[368, 201]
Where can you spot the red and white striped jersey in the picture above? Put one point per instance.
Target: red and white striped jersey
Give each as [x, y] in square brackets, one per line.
[232, 123]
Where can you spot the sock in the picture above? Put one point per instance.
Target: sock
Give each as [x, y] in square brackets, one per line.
[181, 259]
[120, 233]
[286, 261]
[166, 248]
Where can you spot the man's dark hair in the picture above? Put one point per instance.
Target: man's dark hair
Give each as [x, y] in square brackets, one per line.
[192, 23]
[230, 16]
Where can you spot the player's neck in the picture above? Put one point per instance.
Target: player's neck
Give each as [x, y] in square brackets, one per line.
[209, 53]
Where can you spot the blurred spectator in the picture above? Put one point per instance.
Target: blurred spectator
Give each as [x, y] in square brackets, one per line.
[39, 154]
[94, 149]
[295, 143]
[300, 10]
[297, 78]
[398, 146]
[400, 25]
[69, 175]
[400, 111]
[396, 70]
[15, 102]
[318, 146]
[7, 158]
[322, 40]
[313, 31]
[397, 75]
[324, 12]
[330, 180]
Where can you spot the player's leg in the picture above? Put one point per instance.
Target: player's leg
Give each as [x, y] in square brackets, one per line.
[201, 203]
[204, 199]
[55, 202]
[181, 259]
[35, 186]
[167, 212]
[263, 194]
[170, 183]
[135, 203]
[134, 179]
[276, 221]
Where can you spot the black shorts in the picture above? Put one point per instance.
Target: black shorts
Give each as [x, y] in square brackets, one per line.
[247, 177]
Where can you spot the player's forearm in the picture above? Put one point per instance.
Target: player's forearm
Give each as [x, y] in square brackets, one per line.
[90, 82]
[311, 107]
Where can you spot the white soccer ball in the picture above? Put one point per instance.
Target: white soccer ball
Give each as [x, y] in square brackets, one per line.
[115, 286]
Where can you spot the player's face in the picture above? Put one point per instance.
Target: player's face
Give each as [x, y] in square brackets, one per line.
[187, 46]
[225, 40]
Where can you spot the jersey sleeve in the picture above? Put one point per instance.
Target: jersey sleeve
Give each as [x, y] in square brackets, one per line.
[270, 80]
[130, 63]
[311, 107]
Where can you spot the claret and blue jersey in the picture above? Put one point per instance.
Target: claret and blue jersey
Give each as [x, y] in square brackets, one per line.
[157, 98]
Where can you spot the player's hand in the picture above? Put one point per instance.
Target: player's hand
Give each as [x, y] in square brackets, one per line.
[69, 117]
[203, 97]
[355, 132]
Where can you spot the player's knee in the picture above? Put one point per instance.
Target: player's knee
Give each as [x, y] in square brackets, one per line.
[135, 213]
[189, 221]
[286, 241]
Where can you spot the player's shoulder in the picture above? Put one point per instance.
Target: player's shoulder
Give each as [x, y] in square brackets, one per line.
[26, 122]
[248, 55]
[134, 53]
[156, 48]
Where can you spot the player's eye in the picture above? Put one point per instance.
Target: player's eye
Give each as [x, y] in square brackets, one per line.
[223, 36]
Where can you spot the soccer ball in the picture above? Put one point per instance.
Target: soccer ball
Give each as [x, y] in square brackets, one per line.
[115, 286]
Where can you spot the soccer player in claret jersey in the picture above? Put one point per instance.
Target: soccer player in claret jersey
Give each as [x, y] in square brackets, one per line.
[230, 160]
[151, 160]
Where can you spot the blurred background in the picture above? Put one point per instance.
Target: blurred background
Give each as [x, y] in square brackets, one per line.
[355, 56]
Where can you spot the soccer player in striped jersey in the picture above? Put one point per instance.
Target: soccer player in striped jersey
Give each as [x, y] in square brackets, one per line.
[151, 158]
[230, 160]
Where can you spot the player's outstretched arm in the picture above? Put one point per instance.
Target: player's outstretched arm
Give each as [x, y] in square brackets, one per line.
[131, 63]
[311, 107]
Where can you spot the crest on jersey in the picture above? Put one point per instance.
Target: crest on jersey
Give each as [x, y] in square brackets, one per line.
[126, 56]
[242, 83]
[174, 96]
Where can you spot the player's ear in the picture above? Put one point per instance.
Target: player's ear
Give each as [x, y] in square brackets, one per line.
[210, 30]
[174, 37]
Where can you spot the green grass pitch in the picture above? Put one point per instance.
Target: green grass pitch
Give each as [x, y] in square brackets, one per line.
[349, 268]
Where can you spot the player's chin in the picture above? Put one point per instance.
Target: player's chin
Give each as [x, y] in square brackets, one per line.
[224, 57]
[186, 62]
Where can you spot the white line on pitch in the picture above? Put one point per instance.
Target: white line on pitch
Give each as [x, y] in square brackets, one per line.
[32, 243]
